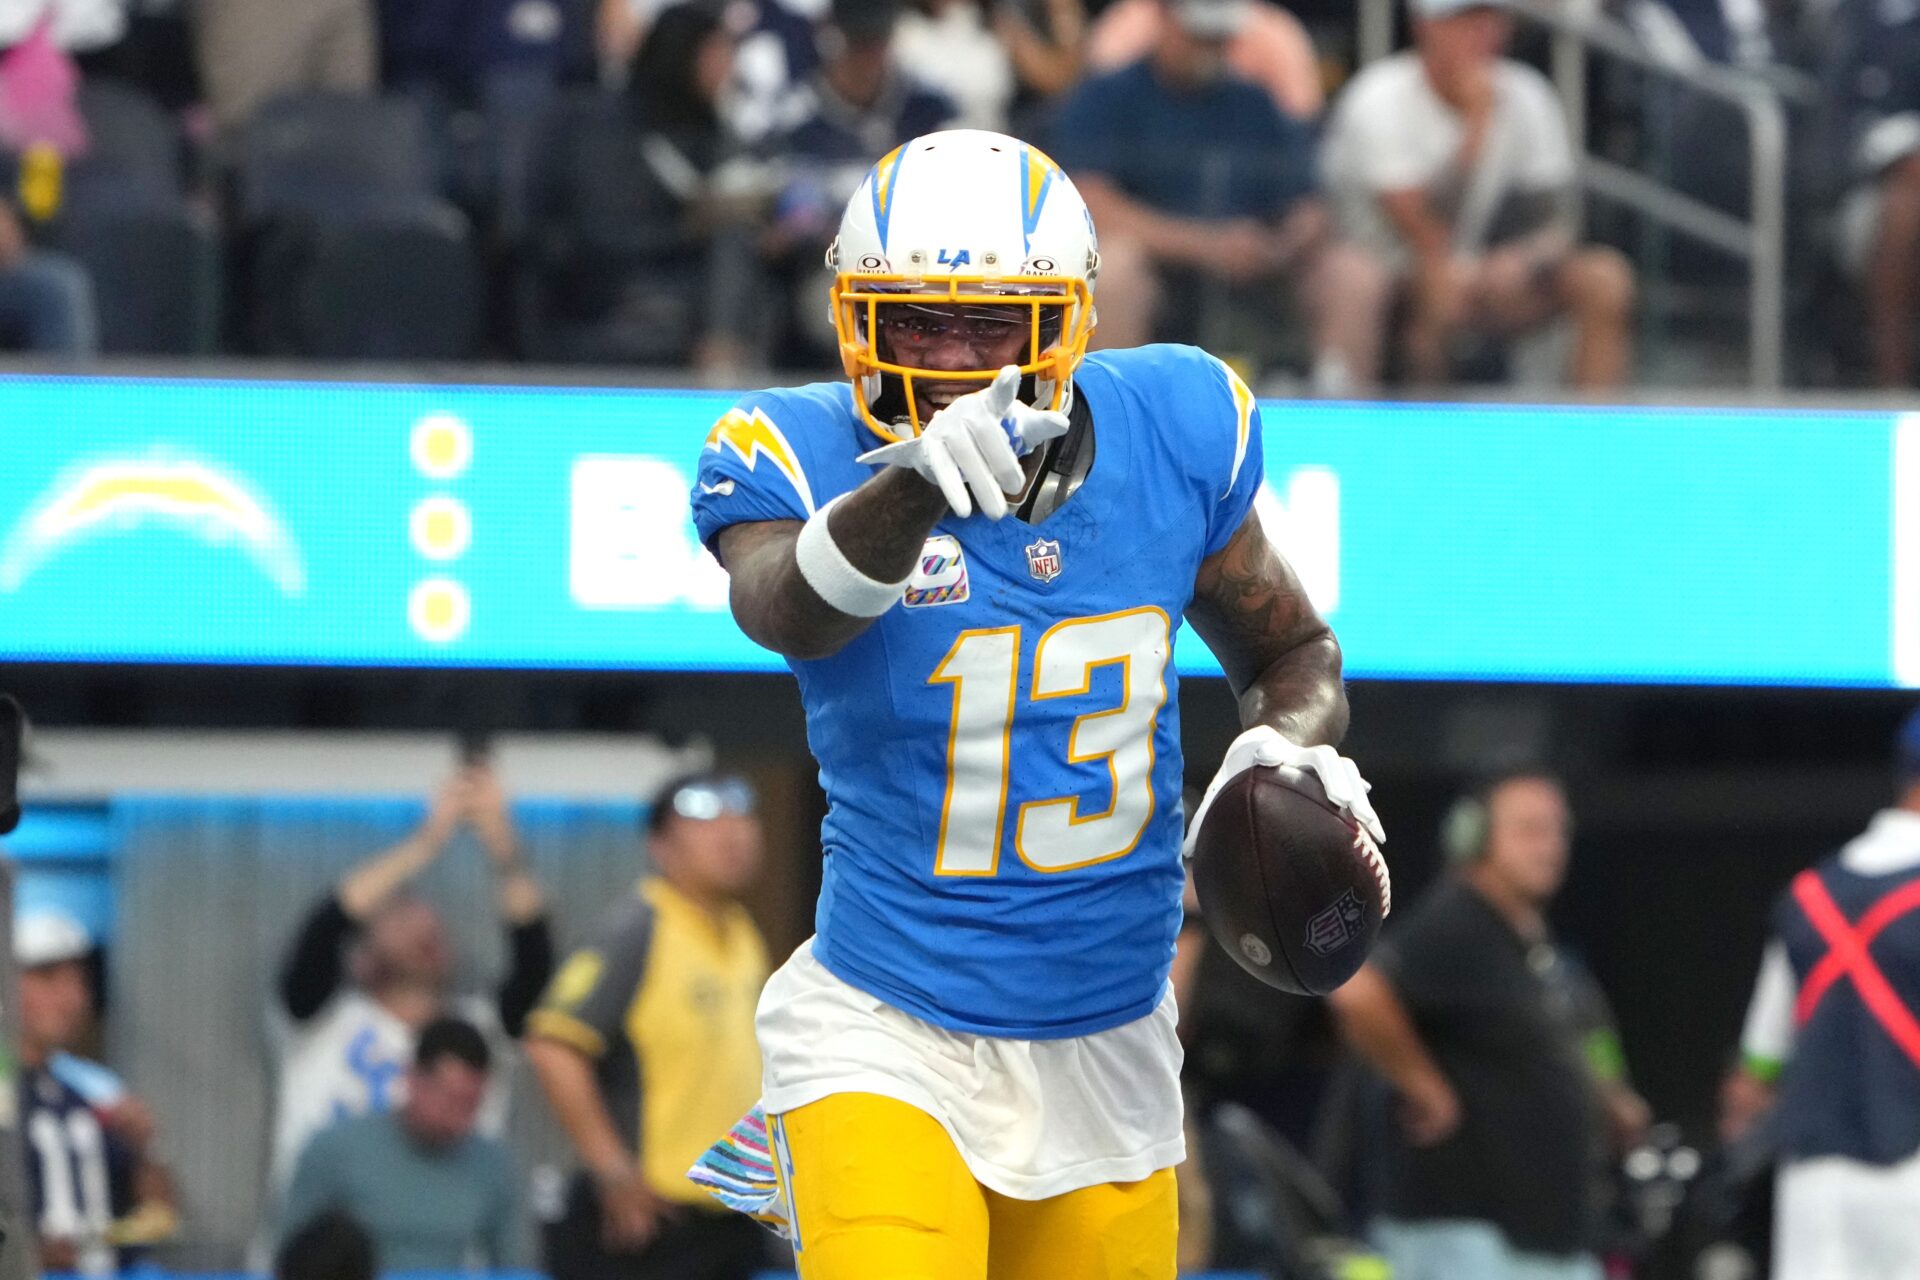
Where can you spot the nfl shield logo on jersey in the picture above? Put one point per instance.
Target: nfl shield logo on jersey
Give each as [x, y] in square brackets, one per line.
[1043, 560]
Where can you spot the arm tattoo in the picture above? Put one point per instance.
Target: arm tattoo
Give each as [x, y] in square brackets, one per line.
[880, 528]
[1279, 656]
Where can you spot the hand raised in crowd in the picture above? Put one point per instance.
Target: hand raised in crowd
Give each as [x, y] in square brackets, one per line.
[374, 881]
[488, 814]
[446, 810]
[631, 1212]
[1429, 1110]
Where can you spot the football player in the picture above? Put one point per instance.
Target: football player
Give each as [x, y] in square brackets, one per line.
[975, 555]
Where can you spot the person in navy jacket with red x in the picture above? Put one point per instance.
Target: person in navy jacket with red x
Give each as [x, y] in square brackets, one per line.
[1832, 1045]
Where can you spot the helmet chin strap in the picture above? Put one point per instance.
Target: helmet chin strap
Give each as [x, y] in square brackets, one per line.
[1063, 467]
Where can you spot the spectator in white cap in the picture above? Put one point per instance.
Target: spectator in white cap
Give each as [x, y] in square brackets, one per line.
[1452, 164]
[97, 1195]
[1271, 48]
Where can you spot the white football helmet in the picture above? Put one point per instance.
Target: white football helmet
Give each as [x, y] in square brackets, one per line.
[972, 218]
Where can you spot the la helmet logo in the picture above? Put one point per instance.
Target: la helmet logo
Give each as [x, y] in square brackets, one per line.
[1043, 560]
[950, 258]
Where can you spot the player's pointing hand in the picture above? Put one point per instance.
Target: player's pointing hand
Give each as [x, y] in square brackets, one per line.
[972, 448]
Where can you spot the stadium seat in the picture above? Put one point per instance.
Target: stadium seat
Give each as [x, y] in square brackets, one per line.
[352, 253]
[131, 140]
[155, 264]
[325, 152]
[390, 288]
[599, 276]
[154, 258]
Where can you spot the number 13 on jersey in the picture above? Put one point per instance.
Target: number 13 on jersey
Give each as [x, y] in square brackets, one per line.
[983, 666]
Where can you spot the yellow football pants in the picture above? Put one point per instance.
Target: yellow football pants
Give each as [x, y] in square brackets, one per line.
[878, 1192]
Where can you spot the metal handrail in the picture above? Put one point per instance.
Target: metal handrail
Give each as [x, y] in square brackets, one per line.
[1759, 239]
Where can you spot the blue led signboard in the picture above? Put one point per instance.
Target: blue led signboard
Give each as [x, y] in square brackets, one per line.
[406, 525]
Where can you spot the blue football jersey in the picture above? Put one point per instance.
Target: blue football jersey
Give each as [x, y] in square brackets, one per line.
[79, 1171]
[1001, 751]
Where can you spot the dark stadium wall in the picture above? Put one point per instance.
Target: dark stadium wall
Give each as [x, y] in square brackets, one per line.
[1693, 809]
[1694, 806]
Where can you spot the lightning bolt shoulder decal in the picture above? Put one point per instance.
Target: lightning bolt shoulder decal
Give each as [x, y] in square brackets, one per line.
[1243, 413]
[752, 436]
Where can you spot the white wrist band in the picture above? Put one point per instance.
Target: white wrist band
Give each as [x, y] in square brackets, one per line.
[833, 577]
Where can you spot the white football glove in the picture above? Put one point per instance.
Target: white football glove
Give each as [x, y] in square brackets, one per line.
[976, 443]
[1265, 747]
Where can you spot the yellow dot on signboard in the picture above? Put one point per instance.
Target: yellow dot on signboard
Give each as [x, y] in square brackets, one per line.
[439, 610]
[442, 446]
[441, 528]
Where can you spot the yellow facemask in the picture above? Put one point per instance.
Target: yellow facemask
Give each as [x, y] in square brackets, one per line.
[857, 298]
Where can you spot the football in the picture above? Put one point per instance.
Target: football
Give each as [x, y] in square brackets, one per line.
[1289, 886]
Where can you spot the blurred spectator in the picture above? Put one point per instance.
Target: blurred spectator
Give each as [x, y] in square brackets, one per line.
[432, 1193]
[252, 50]
[1047, 40]
[654, 194]
[645, 1047]
[1687, 32]
[1502, 1052]
[1451, 164]
[81, 27]
[618, 28]
[860, 103]
[1832, 1035]
[97, 1195]
[857, 105]
[345, 1050]
[1873, 70]
[1270, 48]
[331, 1247]
[699, 177]
[46, 298]
[948, 46]
[1190, 172]
[778, 53]
[479, 52]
